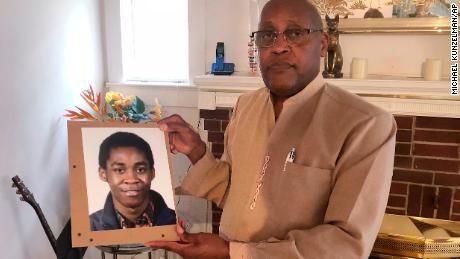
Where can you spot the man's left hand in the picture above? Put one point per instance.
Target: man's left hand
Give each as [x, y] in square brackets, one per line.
[191, 246]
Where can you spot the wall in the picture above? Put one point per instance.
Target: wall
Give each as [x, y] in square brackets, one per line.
[228, 21]
[49, 52]
[396, 54]
[231, 21]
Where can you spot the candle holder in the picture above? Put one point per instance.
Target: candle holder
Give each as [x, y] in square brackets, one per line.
[433, 67]
[359, 68]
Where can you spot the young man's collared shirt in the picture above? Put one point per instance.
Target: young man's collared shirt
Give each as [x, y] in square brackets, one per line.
[106, 218]
[146, 219]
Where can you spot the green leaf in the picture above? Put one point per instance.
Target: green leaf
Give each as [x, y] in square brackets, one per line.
[138, 105]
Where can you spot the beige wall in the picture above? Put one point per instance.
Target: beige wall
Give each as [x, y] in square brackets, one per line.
[48, 53]
[231, 21]
[396, 54]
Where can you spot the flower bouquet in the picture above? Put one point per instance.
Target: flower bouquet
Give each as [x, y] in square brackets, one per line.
[116, 107]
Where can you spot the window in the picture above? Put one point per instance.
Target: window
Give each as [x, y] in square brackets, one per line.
[155, 40]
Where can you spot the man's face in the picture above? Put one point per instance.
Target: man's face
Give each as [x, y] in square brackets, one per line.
[129, 176]
[287, 69]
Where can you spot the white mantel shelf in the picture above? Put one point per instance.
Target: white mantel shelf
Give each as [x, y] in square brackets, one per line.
[397, 95]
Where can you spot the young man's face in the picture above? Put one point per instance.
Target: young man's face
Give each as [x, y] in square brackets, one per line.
[129, 176]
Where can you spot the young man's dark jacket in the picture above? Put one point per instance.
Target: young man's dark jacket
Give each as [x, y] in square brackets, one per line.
[106, 219]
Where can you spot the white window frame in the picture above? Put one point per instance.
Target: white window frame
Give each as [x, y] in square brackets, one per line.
[113, 46]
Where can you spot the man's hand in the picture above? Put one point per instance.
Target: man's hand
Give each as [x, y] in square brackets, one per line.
[195, 246]
[182, 138]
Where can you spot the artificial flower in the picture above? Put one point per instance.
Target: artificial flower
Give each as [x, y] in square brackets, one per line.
[117, 107]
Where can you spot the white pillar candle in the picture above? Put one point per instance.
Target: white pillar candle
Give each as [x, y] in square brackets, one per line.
[433, 68]
[359, 68]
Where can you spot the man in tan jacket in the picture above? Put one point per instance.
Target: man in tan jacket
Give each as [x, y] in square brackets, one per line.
[307, 166]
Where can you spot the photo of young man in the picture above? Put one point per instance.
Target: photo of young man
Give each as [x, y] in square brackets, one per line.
[126, 164]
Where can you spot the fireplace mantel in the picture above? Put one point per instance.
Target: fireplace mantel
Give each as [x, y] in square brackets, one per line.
[397, 95]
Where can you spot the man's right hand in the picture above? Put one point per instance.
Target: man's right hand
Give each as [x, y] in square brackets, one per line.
[183, 138]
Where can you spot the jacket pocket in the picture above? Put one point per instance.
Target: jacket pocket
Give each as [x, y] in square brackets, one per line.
[303, 192]
[299, 180]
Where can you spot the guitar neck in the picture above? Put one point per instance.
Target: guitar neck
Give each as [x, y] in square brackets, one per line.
[45, 225]
[28, 197]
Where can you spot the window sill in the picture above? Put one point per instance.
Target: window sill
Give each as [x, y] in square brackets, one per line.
[151, 84]
[169, 94]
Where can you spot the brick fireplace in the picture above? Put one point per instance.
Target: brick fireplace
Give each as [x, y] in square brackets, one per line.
[426, 179]
[426, 176]
[215, 123]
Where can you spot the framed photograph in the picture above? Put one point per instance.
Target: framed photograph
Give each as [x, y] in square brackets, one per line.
[120, 184]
